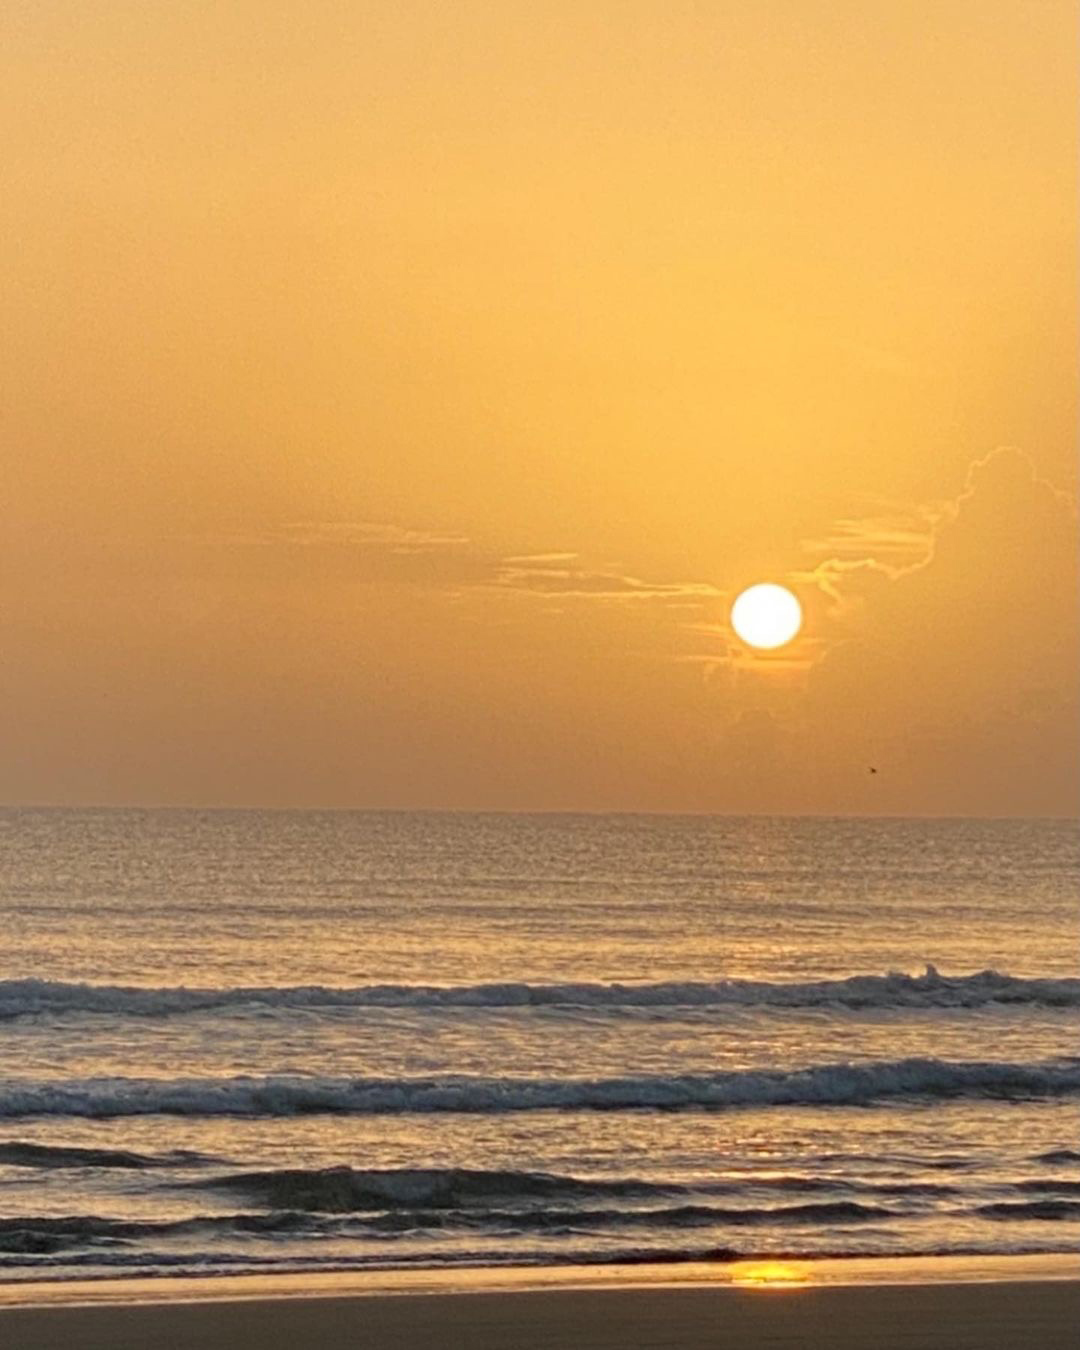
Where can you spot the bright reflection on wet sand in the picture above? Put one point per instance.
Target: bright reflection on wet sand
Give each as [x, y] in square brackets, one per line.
[769, 1274]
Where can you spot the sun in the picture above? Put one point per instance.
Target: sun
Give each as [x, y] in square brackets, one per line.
[766, 615]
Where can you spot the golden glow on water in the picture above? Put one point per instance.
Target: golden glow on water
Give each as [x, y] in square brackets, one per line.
[770, 1274]
[335, 1014]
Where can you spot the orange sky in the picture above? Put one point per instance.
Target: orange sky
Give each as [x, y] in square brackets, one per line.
[395, 395]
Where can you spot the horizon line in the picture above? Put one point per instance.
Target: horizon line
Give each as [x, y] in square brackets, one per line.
[248, 809]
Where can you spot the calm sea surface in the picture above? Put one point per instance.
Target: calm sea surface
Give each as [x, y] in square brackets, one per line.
[239, 1041]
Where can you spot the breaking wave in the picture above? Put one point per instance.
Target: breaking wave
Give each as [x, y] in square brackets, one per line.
[287, 1095]
[21, 998]
[102, 1265]
[36, 1234]
[1053, 1210]
[346, 1190]
[151, 1263]
[40, 1235]
[20, 1153]
[1059, 1157]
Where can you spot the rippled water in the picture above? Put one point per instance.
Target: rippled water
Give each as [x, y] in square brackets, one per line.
[254, 1040]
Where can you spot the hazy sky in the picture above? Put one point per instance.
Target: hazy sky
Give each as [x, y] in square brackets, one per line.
[395, 394]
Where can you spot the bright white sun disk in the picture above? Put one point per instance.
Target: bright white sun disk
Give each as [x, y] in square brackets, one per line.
[766, 615]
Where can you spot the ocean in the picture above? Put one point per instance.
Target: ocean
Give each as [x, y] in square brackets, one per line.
[246, 1041]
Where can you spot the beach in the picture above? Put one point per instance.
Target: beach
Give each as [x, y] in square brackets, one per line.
[997, 1315]
[538, 794]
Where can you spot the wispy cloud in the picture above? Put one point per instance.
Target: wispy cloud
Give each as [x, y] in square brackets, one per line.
[541, 559]
[387, 552]
[538, 576]
[367, 535]
[898, 537]
[893, 541]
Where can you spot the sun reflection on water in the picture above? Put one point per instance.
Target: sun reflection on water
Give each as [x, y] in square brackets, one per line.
[769, 1274]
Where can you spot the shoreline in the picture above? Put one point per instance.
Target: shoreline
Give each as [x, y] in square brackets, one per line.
[758, 1274]
[986, 1314]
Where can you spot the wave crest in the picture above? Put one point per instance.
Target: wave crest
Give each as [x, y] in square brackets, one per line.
[21, 998]
[20, 1153]
[347, 1190]
[818, 1085]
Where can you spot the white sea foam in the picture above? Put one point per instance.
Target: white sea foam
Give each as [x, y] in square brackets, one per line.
[285, 1095]
[27, 997]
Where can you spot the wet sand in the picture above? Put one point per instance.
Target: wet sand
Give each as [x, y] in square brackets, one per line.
[1010, 1315]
